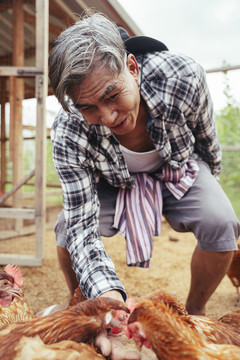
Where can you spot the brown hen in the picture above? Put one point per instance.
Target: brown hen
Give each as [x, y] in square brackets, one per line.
[33, 348]
[77, 297]
[12, 306]
[81, 323]
[170, 337]
[211, 330]
[232, 318]
[170, 300]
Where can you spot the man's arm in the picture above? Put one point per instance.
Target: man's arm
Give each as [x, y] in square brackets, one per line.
[205, 132]
[94, 269]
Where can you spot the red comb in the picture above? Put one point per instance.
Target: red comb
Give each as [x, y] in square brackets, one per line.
[131, 304]
[15, 273]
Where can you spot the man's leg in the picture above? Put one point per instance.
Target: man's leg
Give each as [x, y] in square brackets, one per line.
[207, 212]
[66, 266]
[207, 270]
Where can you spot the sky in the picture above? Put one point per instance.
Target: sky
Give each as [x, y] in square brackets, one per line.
[206, 30]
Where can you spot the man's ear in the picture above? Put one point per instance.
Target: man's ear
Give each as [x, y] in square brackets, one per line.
[132, 66]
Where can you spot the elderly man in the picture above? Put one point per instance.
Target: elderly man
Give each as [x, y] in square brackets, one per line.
[136, 124]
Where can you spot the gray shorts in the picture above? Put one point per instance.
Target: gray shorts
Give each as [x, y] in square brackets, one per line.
[205, 211]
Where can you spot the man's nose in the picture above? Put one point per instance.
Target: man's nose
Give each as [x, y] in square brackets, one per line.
[108, 116]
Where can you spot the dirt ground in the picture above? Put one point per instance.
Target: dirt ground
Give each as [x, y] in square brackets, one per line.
[169, 271]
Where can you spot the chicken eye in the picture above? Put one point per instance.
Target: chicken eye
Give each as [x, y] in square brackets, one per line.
[4, 283]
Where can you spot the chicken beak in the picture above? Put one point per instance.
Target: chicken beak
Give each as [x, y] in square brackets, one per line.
[18, 294]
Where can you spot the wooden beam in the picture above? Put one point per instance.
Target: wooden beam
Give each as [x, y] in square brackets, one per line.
[42, 19]
[18, 96]
[17, 186]
[57, 11]
[29, 19]
[70, 8]
[30, 195]
[223, 69]
[230, 147]
[3, 100]
[18, 33]
[58, 186]
[24, 231]
[20, 260]
[20, 71]
[10, 213]
[12, 111]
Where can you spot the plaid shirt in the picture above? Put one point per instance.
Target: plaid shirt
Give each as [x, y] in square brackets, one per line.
[181, 127]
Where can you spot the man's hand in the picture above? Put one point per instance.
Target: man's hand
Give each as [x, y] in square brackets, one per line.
[111, 345]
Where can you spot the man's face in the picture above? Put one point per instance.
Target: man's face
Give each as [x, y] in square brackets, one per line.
[108, 99]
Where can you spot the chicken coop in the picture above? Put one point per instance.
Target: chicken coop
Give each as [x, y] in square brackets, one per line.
[27, 31]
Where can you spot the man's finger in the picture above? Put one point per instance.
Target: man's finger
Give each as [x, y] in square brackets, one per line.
[119, 353]
[103, 343]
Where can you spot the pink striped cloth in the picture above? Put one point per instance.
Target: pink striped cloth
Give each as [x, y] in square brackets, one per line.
[138, 218]
[179, 181]
[138, 210]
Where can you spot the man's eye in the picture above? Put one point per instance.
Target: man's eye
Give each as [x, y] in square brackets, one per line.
[114, 96]
[82, 108]
[85, 108]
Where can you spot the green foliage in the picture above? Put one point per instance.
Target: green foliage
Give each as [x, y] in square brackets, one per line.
[52, 177]
[230, 178]
[228, 125]
[228, 120]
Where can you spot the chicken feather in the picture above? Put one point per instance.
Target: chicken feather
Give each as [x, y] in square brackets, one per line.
[172, 338]
[210, 329]
[81, 323]
[33, 348]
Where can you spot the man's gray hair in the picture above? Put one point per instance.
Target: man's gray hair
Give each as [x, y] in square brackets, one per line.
[92, 41]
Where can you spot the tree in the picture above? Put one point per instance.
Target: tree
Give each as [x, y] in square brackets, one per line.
[228, 125]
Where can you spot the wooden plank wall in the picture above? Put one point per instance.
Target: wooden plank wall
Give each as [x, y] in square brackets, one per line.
[40, 71]
[16, 99]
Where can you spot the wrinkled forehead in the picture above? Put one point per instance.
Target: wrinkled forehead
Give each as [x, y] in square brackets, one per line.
[98, 84]
[96, 68]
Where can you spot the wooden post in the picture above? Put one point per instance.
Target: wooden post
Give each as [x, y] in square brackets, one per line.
[17, 90]
[3, 135]
[17, 186]
[42, 9]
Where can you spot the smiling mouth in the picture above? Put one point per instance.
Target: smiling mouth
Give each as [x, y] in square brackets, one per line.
[119, 125]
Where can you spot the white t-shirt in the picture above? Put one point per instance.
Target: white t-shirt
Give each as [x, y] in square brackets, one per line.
[142, 161]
